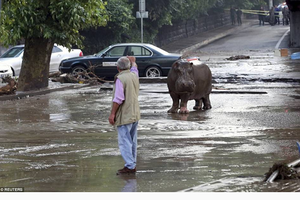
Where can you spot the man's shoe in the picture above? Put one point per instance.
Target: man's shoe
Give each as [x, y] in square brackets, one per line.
[126, 170]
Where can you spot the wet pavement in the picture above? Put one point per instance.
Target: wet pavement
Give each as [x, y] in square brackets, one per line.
[62, 141]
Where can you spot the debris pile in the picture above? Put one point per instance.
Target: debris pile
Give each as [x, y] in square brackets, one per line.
[238, 57]
[284, 172]
[86, 77]
[10, 88]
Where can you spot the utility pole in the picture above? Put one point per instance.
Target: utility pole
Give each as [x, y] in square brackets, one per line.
[142, 13]
[270, 4]
[142, 10]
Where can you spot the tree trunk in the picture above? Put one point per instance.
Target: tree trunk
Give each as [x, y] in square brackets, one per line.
[295, 29]
[35, 66]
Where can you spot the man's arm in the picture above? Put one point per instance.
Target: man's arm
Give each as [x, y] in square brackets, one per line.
[134, 67]
[113, 112]
[117, 101]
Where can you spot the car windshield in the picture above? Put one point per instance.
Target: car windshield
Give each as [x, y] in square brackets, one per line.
[102, 51]
[13, 52]
[163, 52]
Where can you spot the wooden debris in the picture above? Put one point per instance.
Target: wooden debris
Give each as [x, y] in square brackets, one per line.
[283, 171]
[238, 57]
[10, 88]
[87, 77]
[54, 74]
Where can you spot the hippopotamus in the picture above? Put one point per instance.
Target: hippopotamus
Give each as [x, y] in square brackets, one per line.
[187, 81]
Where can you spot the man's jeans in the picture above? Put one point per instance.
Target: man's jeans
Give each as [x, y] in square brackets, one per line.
[127, 138]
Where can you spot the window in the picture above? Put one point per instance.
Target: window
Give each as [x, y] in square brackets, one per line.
[116, 51]
[139, 51]
[13, 52]
[56, 49]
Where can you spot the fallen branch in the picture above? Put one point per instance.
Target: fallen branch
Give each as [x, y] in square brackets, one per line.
[238, 57]
[54, 74]
[87, 77]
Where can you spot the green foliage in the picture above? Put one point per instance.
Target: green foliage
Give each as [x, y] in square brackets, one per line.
[120, 21]
[190, 9]
[245, 4]
[120, 15]
[167, 11]
[58, 21]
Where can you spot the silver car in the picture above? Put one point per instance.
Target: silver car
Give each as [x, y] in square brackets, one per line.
[14, 56]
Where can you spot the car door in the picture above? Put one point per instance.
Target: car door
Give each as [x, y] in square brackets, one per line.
[55, 58]
[143, 57]
[108, 68]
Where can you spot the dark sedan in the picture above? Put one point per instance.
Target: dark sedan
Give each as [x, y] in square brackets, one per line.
[151, 60]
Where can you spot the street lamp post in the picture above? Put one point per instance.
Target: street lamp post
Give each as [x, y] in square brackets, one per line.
[142, 13]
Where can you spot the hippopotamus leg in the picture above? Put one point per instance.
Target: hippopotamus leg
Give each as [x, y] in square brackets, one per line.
[198, 104]
[175, 104]
[183, 104]
[206, 103]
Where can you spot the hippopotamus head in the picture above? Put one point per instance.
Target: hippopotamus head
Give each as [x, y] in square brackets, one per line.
[183, 70]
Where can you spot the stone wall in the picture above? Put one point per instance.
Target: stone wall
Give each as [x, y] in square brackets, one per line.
[183, 29]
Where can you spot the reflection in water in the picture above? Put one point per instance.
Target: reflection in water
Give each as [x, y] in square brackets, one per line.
[195, 116]
[131, 183]
[59, 117]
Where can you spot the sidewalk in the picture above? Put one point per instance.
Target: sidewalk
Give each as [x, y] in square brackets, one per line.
[201, 39]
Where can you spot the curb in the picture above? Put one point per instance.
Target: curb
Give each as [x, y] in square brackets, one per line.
[22, 95]
[206, 42]
[212, 39]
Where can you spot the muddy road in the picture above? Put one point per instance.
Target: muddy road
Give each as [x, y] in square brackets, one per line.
[62, 141]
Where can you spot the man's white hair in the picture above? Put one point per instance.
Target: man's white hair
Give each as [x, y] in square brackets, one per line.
[123, 63]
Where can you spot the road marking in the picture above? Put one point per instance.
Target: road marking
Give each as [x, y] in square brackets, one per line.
[279, 42]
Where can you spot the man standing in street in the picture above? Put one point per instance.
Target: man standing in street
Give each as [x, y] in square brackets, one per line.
[261, 16]
[125, 111]
[232, 15]
[239, 16]
[277, 11]
[285, 16]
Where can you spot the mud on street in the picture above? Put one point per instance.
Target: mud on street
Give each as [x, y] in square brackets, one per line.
[62, 141]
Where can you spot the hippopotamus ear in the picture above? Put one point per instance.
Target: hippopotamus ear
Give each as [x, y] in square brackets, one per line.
[175, 64]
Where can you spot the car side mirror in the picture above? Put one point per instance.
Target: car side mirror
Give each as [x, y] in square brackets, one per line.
[103, 55]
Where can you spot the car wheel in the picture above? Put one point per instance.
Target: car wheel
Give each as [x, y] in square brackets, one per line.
[77, 70]
[13, 71]
[153, 72]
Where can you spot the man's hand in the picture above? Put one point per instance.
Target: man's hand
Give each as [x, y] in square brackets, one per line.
[132, 60]
[113, 112]
[111, 119]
